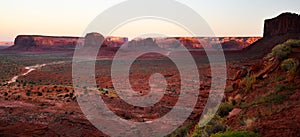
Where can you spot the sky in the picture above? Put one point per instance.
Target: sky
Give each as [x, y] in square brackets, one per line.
[71, 17]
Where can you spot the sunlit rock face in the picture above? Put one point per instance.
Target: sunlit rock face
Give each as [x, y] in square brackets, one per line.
[142, 43]
[227, 43]
[38, 42]
[114, 42]
[286, 23]
[31, 42]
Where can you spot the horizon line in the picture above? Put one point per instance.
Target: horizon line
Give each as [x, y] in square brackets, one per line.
[171, 36]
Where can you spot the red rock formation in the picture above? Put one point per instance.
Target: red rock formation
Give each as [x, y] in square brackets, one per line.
[142, 43]
[93, 39]
[190, 42]
[36, 42]
[228, 43]
[114, 42]
[236, 43]
[282, 24]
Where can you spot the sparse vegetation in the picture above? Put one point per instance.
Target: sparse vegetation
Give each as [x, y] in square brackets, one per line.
[276, 97]
[280, 52]
[212, 127]
[248, 82]
[182, 131]
[235, 134]
[281, 87]
[289, 64]
[292, 42]
[224, 109]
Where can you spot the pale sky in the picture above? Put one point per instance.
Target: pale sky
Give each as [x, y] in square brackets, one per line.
[71, 17]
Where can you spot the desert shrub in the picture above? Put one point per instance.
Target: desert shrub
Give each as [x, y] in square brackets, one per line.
[280, 94]
[276, 99]
[197, 132]
[292, 42]
[224, 109]
[248, 82]
[289, 64]
[182, 131]
[280, 87]
[235, 134]
[212, 127]
[281, 51]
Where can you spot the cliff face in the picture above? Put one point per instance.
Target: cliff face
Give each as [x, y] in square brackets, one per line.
[228, 43]
[93, 39]
[286, 23]
[142, 43]
[114, 41]
[36, 42]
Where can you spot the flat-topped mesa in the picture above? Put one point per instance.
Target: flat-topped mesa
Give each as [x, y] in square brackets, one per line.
[52, 43]
[38, 42]
[95, 39]
[114, 42]
[142, 43]
[285, 23]
[228, 43]
[26, 42]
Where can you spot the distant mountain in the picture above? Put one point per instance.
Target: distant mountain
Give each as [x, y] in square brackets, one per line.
[5, 44]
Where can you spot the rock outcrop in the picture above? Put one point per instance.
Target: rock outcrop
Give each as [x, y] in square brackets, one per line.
[114, 42]
[285, 23]
[228, 43]
[93, 39]
[40, 43]
[142, 43]
[37, 42]
[277, 30]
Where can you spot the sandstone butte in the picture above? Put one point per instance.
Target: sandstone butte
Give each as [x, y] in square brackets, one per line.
[286, 23]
